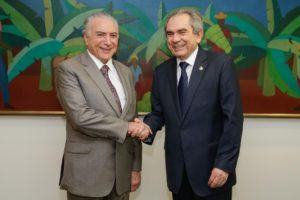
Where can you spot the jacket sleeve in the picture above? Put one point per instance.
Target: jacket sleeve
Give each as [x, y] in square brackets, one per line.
[230, 101]
[155, 118]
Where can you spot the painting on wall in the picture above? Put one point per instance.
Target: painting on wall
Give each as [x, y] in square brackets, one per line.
[262, 37]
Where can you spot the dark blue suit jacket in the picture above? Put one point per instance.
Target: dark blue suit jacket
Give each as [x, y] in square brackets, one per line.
[208, 133]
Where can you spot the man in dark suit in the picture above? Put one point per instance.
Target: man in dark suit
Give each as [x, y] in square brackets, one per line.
[101, 160]
[196, 96]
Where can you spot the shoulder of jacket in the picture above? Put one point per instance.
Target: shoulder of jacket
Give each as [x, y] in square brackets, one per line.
[217, 56]
[70, 62]
[166, 64]
[122, 66]
[115, 62]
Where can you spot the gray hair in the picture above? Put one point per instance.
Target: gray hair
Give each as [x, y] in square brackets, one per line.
[100, 14]
[195, 18]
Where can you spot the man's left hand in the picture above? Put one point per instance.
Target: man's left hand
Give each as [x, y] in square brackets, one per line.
[217, 178]
[135, 180]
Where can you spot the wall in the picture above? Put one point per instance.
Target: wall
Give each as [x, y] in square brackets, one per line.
[31, 148]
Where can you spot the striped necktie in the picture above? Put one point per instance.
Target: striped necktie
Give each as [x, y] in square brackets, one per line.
[104, 71]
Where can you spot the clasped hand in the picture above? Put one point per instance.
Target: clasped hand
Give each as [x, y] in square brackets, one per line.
[139, 129]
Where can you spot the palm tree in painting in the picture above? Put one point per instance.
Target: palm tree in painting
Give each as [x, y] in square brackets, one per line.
[10, 38]
[271, 47]
[58, 35]
[47, 38]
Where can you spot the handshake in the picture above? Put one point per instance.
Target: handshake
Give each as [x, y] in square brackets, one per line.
[139, 129]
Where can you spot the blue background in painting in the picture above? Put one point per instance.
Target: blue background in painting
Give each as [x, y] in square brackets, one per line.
[255, 8]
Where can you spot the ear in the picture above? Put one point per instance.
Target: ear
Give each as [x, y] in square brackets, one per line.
[85, 38]
[199, 36]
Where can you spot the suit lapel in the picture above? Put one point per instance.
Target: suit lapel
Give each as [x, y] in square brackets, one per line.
[173, 84]
[199, 69]
[100, 81]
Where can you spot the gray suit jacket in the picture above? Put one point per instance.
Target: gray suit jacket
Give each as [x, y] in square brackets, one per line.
[97, 152]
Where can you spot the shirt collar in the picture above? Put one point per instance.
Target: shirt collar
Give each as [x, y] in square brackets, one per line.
[99, 64]
[191, 59]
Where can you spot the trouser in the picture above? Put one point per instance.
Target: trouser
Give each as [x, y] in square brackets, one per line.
[111, 196]
[186, 192]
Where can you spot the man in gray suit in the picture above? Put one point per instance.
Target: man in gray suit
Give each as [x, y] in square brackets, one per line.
[101, 160]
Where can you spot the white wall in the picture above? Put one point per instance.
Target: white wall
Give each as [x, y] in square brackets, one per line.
[31, 148]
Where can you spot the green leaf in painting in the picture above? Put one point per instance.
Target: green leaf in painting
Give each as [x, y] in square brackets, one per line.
[72, 47]
[216, 35]
[58, 12]
[20, 21]
[282, 75]
[273, 14]
[29, 14]
[70, 22]
[154, 43]
[36, 50]
[161, 13]
[252, 28]
[292, 17]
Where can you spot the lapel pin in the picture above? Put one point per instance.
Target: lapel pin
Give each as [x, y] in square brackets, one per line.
[201, 68]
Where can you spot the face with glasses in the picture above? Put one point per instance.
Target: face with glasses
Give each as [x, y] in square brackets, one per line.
[101, 38]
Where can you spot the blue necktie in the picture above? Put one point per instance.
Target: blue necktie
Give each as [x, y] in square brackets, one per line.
[183, 85]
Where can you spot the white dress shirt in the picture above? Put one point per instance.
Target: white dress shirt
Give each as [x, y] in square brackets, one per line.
[191, 61]
[114, 78]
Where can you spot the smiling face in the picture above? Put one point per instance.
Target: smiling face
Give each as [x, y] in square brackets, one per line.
[181, 39]
[101, 38]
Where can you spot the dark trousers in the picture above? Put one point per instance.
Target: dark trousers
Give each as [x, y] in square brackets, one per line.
[186, 192]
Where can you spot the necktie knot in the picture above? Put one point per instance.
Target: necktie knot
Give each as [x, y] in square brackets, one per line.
[183, 65]
[104, 69]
